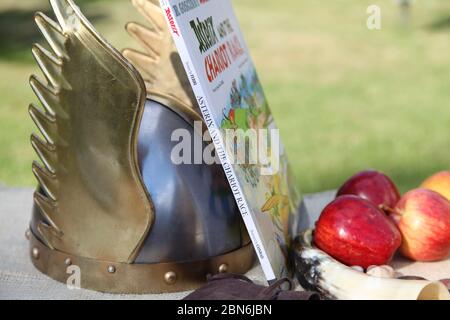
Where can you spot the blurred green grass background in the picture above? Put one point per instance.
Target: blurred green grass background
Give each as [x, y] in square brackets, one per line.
[345, 98]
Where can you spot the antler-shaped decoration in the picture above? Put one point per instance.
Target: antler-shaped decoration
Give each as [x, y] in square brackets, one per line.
[160, 64]
[93, 102]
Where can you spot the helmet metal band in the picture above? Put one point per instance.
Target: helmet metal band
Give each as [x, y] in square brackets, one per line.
[114, 277]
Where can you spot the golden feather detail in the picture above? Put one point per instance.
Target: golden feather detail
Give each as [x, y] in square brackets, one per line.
[89, 182]
[159, 63]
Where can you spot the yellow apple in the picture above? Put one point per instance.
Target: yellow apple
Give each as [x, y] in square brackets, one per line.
[439, 182]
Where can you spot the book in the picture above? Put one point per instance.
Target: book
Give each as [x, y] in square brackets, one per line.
[246, 140]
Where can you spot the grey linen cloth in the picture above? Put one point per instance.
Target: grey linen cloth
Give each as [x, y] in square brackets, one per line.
[20, 280]
[18, 277]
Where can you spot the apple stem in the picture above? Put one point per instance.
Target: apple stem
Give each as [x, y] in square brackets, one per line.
[387, 209]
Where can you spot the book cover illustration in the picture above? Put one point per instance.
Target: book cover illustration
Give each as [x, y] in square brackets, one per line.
[240, 123]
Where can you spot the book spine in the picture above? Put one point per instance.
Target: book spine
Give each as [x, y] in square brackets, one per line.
[204, 104]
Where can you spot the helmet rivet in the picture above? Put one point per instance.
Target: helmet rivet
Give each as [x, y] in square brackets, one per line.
[35, 253]
[28, 234]
[223, 268]
[68, 262]
[111, 269]
[170, 277]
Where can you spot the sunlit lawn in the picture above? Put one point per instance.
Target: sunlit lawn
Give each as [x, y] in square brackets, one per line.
[345, 98]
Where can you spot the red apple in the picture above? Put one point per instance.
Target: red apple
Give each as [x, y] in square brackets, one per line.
[355, 232]
[423, 218]
[374, 186]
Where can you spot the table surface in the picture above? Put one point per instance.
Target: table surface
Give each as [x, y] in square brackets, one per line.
[20, 280]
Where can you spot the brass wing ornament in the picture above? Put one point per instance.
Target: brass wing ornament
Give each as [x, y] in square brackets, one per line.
[109, 198]
[78, 113]
[159, 62]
